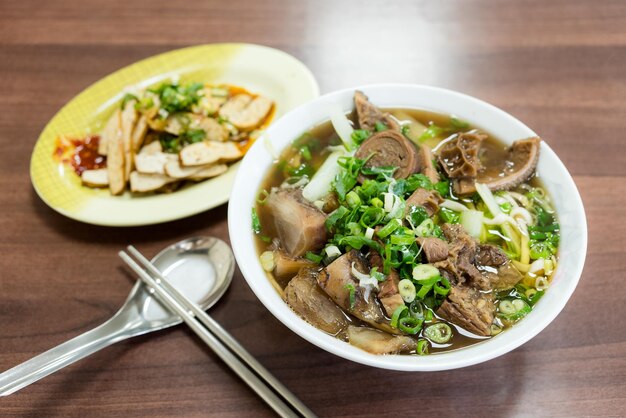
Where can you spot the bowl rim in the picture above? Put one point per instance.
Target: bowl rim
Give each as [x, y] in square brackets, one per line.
[240, 206]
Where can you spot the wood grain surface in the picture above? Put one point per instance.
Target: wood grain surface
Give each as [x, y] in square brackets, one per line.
[558, 65]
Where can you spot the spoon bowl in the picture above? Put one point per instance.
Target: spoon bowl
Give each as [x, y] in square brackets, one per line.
[201, 268]
[183, 263]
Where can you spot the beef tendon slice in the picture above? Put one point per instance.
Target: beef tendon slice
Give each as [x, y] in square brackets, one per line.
[368, 114]
[389, 149]
[467, 162]
[310, 302]
[377, 342]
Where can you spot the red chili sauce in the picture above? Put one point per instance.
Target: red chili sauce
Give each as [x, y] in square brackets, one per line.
[81, 154]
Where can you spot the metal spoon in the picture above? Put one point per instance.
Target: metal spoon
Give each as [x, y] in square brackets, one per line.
[137, 316]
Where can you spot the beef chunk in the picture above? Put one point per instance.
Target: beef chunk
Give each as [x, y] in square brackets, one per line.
[299, 224]
[490, 255]
[460, 262]
[310, 302]
[469, 309]
[336, 280]
[429, 199]
[286, 267]
[434, 249]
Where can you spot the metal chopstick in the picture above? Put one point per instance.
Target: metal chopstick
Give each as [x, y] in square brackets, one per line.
[216, 338]
[224, 337]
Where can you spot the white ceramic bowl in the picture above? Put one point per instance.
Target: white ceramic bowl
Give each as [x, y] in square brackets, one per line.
[556, 179]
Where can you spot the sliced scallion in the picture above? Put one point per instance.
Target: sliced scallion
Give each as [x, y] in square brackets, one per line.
[397, 314]
[424, 272]
[406, 288]
[422, 348]
[439, 333]
[410, 325]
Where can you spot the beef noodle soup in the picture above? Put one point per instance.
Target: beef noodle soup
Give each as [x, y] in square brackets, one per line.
[406, 231]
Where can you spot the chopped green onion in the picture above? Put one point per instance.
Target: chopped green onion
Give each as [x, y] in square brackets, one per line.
[449, 216]
[262, 197]
[127, 98]
[316, 258]
[495, 329]
[371, 217]
[425, 229]
[546, 228]
[402, 239]
[432, 131]
[352, 199]
[410, 325]
[458, 124]
[332, 252]
[443, 188]
[360, 135]
[380, 126]
[423, 291]
[389, 228]
[442, 287]
[406, 288]
[541, 249]
[267, 261]
[400, 312]
[439, 333]
[335, 216]
[428, 315]
[513, 309]
[376, 202]
[422, 348]
[425, 273]
[306, 153]
[377, 275]
[256, 222]
[352, 296]
[416, 309]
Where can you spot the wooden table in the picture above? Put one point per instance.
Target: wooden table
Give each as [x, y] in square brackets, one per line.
[558, 65]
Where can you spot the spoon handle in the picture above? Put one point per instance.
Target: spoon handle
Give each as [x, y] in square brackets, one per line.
[62, 355]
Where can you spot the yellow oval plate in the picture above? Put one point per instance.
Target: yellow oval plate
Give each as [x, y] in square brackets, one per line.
[259, 69]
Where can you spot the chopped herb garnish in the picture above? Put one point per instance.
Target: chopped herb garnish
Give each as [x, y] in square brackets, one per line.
[316, 258]
[352, 296]
[256, 222]
[127, 98]
[192, 136]
[380, 126]
[360, 135]
[178, 98]
[458, 124]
